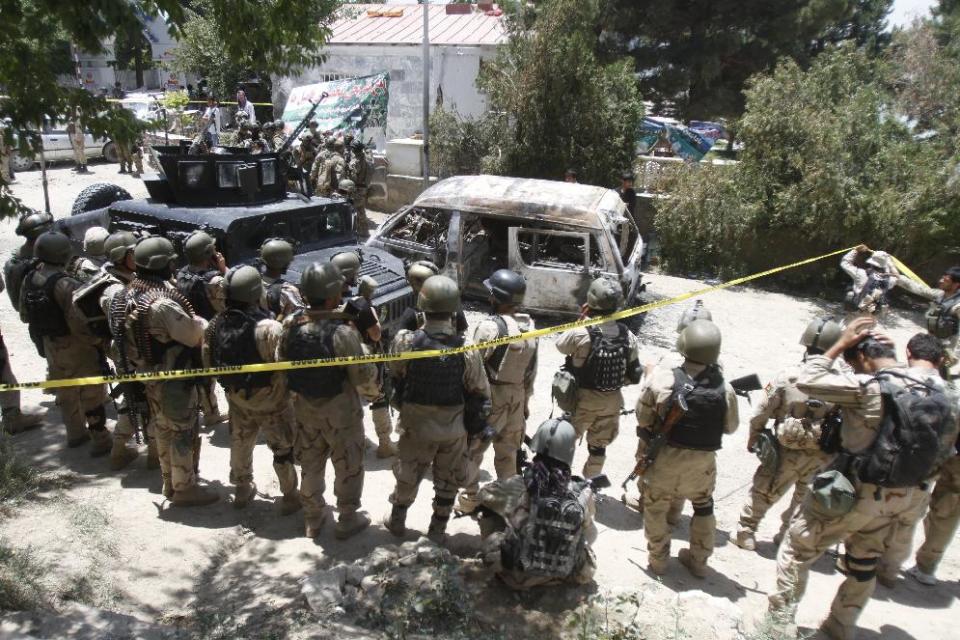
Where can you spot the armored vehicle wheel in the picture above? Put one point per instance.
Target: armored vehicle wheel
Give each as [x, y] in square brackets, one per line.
[20, 163]
[98, 196]
[110, 152]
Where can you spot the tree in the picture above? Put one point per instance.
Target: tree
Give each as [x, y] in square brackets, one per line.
[866, 27]
[276, 35]
[132, 50]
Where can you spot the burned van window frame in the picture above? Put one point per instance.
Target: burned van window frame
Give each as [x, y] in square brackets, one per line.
[438, 218]
[523, 252]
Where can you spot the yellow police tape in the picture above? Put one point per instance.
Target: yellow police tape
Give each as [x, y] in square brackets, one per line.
[155, 376]
[910, 274]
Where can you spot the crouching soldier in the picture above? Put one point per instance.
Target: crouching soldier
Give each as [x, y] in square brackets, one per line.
[327, 401]
[544, 517]
[434, 393]
[244, 334]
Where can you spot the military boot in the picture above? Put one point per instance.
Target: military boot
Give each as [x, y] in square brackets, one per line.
[312, 527]
[290, 503]
[397, 524]
[194, 496]
[102, 442]
[386, 448]
[383, 427]
[835, 630]
[350, 524]
[15, 421]
[167, 489]
[121, 455]
[244, 494]
[745, 540]
[153, 457]
[437, 532]
[696, 569]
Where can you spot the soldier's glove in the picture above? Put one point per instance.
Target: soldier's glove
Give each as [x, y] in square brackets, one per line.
[367, 286]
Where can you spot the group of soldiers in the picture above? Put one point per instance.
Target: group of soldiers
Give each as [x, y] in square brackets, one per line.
[868, 445]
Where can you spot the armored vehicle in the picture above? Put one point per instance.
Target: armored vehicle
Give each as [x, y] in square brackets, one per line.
[241, 199]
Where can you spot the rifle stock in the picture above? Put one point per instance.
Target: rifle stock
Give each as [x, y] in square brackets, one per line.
[658, 439]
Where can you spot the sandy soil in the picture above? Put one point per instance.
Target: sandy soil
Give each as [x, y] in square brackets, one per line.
[161, 563]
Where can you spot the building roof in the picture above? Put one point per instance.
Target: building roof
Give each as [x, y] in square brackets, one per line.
[403, 24]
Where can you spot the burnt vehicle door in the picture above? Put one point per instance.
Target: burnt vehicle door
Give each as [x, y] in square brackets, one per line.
[556, 265]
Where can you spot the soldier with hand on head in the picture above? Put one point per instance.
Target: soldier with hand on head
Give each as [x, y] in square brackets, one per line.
[872, 276]
[281, 297]
[243, 334]
[327, 401]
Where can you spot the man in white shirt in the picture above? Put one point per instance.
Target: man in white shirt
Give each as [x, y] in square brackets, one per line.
[246, 106]
[211, 119]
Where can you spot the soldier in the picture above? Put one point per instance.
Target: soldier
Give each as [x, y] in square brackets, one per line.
[245, 334]
[78, 144]
[279, 134]
[86, 266]
[359, 171]
[306, 155]
[268, 132]
[200, 281]
[16, 268]
[6, 150]
[943, 317]
[872, 275]
[417, 274]
[160, 332]
[327, 401]
[14, 420]
[511, 370]
[332, 171]
[45, 305]
[859, 510]
[686, 465]
[441, 399]
[792, 455]
[603, 358]
[281, 297]
[357, 297]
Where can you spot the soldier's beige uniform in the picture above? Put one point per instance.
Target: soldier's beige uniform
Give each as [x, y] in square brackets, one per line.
[869, 304]
[265, 410]
[5, 151]
[433, 438]
[332, 428]
[216, 288]
[510, 391]
[864, 529]
[598, 412]
[332, 170]
[951, 345]
[124, 429]
[290, 299]
[77, 143]
[359, 172]
[797, 427]
[72, 356]
[679, 473]
[82, 269]
[941, 522]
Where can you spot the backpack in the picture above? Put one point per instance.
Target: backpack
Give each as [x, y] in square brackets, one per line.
[909, 442]
[509, 363]
[606, 367]
[552, 540]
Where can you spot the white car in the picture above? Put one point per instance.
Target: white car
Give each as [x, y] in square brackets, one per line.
[56, 147]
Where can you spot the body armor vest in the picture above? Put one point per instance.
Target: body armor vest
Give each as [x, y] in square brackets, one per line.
[45, 317]
[508, 363]
[275, 298]
[14, 271]
[941, 322]
[552, 539]
[436, 381]
[606, 367]
[193, 286]
[233, 342]
[309, 339]
[87, 301]
[875, 288]
[701, 427]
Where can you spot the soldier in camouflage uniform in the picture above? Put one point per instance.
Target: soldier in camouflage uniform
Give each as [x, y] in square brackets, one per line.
[797, 429]
[279, 134]
[281, 298]
[158, 330]
[359, 171]
[259, 402]
[511, 370]
[86, 266]
[943, 316]
[941, 522]
[46, 305]
[22, 261]
[435, 394]
[686, 466]
[327, 401]
[14, 420]
[306, 154]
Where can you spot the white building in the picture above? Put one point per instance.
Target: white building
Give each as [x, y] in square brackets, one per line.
[374, 38]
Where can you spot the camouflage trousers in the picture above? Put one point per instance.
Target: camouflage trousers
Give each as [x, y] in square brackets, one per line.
[684, 474]
[174, 410]
[863, 531]
[941, 522]
[248, 419]
[5, 163]
[8, 399]
[506, 417]
[360, 206]
[417, 455]
[597, 416]
[77, 143]
[69, 358]
[797, 468]
[899, 541]
[329, 428]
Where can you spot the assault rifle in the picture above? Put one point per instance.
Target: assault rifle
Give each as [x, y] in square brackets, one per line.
[743, 386]
[284, 150]
[659, 437]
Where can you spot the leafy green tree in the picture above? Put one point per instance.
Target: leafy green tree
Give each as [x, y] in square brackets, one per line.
[132, 50]
[866, 27]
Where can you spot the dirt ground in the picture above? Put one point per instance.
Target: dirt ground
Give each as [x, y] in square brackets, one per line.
[139, 557]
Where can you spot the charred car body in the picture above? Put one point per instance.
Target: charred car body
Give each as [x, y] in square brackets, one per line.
[241, 199]
[559, 236]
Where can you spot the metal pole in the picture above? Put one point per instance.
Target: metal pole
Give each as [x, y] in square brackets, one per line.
[426, 94]
[43, 175]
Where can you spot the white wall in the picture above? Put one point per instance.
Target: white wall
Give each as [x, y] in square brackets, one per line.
[453, 69]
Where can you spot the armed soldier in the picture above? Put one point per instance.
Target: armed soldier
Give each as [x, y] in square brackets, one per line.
[603, 358]
[442, 399]
[358, 169]
[259, 402]
[16, 268]
[791, 453]
[872, 276]
[306, 155]
[201, 282]
[160, 332]
[332, 171]
[282, 298]
[357, 295]
[682, 415]
[46, 304]
[943, 317]
[511, 370]
[279, 134]
[268, 134]
[417, 274]
[327, 401]
[872, 482]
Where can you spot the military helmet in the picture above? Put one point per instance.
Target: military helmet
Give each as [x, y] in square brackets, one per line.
[154, 253]
[696, 312]
[244, 284]
[338, 143]
[557, 439]
[700, 342]
[276, 253]
[419, 271]
[117, 244]
[320, 282]
[347, 187]
[199, 246]
[306, 136]
[33, 224]
[821, 333]
[53, 247]
[348, 262]
[357, 144]
[279, 125]
[439, 294]
[93, 241]
[329, 142]
[604, 295]
[506, 286]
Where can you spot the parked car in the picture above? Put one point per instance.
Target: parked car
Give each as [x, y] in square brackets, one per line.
[56, 147]
[559, 236]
